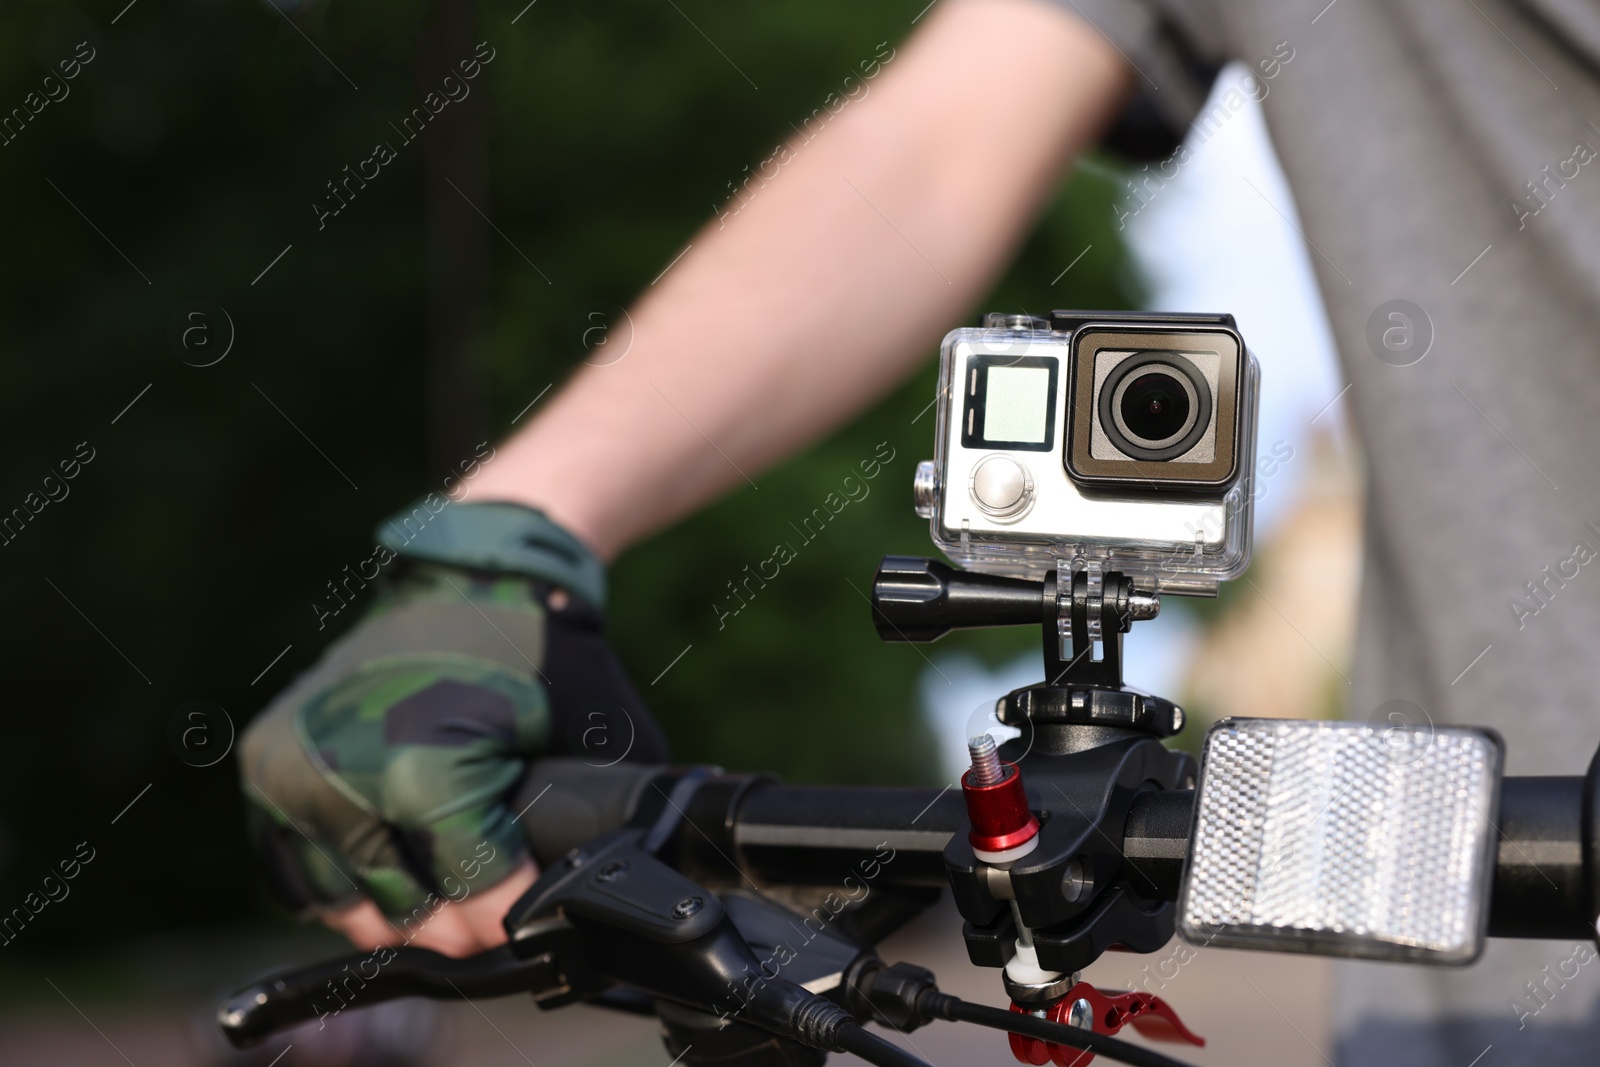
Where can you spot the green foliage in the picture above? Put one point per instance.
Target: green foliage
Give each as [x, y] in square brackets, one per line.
[195, 542]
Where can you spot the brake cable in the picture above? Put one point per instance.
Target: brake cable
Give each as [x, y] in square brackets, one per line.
[874, 1049]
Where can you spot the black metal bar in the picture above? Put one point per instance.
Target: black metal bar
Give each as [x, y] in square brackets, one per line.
[811, 835]
[1538, 872]
[1156, 840]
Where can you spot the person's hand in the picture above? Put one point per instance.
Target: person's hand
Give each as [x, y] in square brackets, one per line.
[379, 780]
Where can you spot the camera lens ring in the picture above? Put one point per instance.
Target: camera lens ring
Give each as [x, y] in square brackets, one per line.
[1156, 407]
[1196, 388]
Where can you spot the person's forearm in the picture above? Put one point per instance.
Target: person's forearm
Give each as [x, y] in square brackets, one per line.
[830, 282]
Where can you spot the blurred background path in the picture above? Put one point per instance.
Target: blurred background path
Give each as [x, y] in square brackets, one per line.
[1251, 1008]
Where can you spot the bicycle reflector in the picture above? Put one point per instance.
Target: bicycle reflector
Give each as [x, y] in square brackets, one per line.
[1343, 839]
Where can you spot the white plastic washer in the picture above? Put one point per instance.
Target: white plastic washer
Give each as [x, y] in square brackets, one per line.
[1008, 855]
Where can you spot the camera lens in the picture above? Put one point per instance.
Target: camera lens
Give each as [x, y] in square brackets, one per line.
[1155, 407]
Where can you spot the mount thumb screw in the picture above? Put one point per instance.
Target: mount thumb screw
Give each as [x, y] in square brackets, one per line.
[986, 769]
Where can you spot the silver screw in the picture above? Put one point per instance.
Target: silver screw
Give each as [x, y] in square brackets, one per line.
[925, 489]
[687, 907]
[986, 769]
[1143, 605]
[1081, 1015]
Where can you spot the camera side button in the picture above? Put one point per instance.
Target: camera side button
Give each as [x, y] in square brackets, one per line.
[1001, 487]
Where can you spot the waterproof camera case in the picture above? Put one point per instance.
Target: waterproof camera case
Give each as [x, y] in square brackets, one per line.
[1118, 438]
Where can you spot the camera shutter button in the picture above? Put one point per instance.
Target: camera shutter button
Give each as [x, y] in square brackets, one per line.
[1001, 486]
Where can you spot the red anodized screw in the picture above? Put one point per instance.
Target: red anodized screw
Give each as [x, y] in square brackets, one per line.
[997, 807]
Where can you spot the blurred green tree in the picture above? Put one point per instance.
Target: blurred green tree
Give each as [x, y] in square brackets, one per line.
[183, 164]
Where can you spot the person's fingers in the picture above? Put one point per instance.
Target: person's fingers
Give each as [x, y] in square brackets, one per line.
[484, 912]
[473, 925]
[444, 931]
[363, 924]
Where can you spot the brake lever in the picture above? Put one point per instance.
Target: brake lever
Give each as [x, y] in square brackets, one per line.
[327, 988]
[609, 915]
[543, 957]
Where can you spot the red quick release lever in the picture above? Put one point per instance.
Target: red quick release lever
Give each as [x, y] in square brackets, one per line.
[1002, 826]
[1104, 1013]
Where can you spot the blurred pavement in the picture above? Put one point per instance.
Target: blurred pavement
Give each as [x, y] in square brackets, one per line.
[1252, 1008]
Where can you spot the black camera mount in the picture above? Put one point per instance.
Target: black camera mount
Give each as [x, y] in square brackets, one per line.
[1089, 746]
[1083, 615]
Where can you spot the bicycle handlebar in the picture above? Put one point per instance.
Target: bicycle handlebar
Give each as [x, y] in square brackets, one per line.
[754, 829]
[785, 834]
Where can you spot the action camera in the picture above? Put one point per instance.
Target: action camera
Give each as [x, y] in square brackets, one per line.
[1120, 438]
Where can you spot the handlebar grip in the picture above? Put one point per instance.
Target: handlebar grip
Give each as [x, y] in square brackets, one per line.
[565, 801]
[329, 987]
[915, 599]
